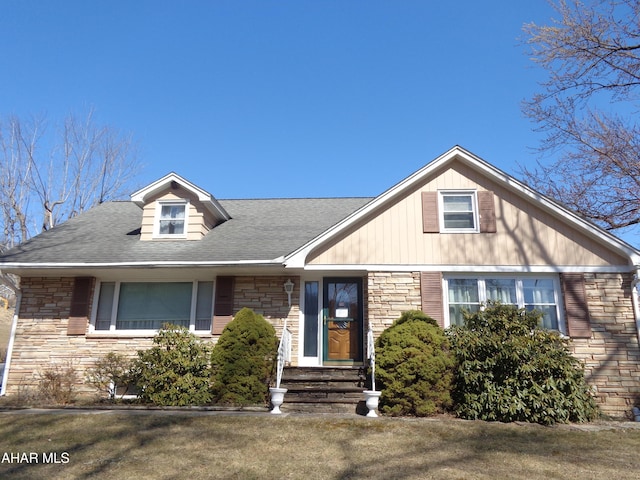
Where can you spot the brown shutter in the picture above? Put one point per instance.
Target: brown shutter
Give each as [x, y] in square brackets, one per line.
[431, 292]
[487, 209]
[80, 302]
[223, 307]
[430, 223]
[575, 303]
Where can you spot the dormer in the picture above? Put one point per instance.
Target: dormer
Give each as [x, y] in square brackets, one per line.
[175, 209]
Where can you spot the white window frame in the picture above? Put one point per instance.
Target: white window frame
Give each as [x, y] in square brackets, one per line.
[158, 217]
[474, 210]
[317, 359]
[482, 293]
[144, 332]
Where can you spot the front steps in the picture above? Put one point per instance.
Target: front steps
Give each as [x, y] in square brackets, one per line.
[324, 389]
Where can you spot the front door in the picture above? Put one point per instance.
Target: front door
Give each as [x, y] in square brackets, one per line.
[342, 319]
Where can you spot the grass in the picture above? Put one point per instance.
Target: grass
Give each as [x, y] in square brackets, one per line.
[157, 445]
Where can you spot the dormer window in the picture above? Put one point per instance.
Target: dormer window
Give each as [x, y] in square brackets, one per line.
[171, 219]
[175, 209]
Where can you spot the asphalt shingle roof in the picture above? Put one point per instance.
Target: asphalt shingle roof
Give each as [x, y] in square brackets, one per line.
[261, 229]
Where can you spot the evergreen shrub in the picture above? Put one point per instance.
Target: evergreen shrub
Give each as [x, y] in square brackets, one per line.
[175, 371]
[509, 369]
[414, 367]
[243, 360]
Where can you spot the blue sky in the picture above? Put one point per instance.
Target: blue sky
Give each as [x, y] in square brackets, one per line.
[281, 98]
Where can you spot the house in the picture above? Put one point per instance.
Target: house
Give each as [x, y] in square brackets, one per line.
[449, 237]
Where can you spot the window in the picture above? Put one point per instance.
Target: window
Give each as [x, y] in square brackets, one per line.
[540, 294]
[459, 213]
[463, 295]
[310, 319]
[148, 305]
[171, 219]
[468, 294]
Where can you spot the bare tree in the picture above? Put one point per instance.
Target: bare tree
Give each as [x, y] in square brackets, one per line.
[49, 177]
[587, 107]
[16, 145]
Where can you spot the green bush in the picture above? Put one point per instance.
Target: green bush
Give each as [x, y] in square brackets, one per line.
[510, 369]
[175, 371]
[414, 367]
[243, 360]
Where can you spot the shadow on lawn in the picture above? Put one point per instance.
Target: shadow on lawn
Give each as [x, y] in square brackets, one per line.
[102, 446]
[481, 450]
[113, 443]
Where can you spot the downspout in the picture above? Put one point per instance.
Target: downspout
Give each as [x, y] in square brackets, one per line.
[14, 325]
[635, 300]
[636, 315]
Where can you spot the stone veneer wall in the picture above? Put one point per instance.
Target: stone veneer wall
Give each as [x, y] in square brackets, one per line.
[611, 356]
[389, 294]
[266, 296]
[41, 334]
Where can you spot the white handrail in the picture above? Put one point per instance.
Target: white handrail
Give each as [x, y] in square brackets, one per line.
[371, 351]
[284, 352]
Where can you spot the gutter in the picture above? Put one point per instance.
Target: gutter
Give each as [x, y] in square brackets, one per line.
[150, 264]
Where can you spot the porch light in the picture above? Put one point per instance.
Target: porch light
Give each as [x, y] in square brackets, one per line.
[288, 288]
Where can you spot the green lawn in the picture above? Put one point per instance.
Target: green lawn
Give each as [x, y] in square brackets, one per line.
[156, 445]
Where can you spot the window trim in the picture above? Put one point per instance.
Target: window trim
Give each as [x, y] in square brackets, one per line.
[474, 210]
[145, 332]
[482, 293]
[158, 217]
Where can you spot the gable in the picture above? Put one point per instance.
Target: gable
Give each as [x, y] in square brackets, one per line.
[524, 233]
[197, 210]
[198, 219]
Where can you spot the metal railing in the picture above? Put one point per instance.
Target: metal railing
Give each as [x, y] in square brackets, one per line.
[371, 353]
[284, 353]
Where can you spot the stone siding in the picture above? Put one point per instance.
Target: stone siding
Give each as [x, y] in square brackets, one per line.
[611, 356]
[266, 296]
[41, 340]
[389, 294]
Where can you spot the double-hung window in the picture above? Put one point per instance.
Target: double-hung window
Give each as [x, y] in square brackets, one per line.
[149, 305]
[171, 219]
[459, 212]
[533, 293]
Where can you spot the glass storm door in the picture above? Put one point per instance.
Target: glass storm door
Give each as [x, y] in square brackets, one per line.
[342, 319]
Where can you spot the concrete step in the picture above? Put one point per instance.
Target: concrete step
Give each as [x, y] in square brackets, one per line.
[323, 389]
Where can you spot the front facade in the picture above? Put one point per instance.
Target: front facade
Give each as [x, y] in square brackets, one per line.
[448, 238]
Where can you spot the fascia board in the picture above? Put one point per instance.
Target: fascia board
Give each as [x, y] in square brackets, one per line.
[553, 207]
[140, 197]
[8, 267]
[297, 258]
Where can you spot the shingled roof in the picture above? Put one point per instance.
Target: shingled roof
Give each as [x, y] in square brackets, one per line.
[259, 230]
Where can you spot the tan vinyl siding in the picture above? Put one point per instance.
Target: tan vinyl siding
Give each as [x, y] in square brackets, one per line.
[199, 221]
[525, 234]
